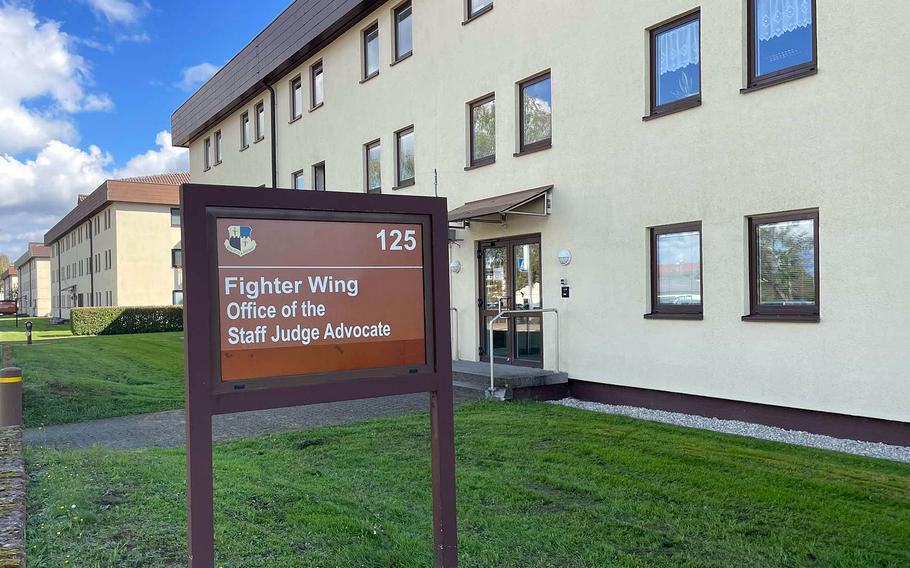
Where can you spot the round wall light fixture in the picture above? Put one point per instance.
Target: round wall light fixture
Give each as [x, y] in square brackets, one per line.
[455, 266]
[565, 257]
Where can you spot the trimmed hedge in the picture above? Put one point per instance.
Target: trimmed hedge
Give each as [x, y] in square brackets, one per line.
[116, 321]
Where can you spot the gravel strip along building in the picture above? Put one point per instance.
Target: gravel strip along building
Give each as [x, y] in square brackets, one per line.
[691, 187]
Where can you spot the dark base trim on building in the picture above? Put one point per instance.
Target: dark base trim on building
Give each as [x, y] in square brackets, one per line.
[827, 423]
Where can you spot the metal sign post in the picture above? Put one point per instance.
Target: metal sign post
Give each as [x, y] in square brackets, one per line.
[295, 298]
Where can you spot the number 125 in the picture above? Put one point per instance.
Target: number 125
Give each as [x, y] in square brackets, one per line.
[395, 239]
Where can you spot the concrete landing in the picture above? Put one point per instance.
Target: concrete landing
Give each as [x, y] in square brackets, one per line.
[510, 381]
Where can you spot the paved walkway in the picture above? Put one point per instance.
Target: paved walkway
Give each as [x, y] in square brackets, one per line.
[169, 428]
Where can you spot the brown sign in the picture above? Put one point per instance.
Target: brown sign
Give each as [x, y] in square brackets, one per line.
[300, 297]
[295, 298]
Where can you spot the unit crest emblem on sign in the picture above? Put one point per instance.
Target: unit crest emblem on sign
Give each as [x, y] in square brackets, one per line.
[240, 240]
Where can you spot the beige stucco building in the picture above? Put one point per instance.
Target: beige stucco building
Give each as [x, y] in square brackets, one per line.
[9, 283]
[708, 190]
[120, 246]
[34, 270]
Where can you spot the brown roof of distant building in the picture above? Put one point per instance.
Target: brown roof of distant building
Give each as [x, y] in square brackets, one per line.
[305, 27]
[169, 179]
[34, 250]
[155, 190]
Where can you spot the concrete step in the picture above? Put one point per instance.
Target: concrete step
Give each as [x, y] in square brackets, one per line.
[509, 381]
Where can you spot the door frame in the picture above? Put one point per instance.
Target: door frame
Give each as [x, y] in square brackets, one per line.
[508, 242]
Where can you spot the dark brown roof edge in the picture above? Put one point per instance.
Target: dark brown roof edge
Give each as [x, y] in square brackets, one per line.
[112, 191]
[192, 118]
[34, 250]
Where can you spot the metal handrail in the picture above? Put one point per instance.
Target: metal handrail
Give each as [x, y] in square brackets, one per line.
[522, 312]
[457, 351]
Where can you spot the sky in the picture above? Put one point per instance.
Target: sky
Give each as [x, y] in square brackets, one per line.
[87, 89]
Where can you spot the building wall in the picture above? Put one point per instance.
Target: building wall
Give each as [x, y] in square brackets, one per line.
[829, 141]
[73, 248]
[145, 238]
[35, 287]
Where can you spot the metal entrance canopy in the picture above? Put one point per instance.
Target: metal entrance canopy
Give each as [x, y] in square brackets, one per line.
[534, 202]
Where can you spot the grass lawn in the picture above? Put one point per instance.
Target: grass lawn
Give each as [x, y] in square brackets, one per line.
[41, 329]
[538, 486]
[84, 378]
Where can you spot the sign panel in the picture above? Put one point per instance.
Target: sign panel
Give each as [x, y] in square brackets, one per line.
[303, 296]
[308, 297]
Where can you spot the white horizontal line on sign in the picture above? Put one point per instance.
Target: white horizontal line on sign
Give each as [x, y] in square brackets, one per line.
[324, 267]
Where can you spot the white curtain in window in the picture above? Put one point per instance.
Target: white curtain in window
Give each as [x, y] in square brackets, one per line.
[677, 48]
[777, 17]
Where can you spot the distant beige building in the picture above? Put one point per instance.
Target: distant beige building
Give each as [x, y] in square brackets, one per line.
[9, 282]
[33, 269]
[120, 246]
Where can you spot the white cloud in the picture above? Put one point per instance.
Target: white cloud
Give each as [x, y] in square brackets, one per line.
[165, 159]
[36, 193]
[37, 64]
[196, 75]
[118, 11]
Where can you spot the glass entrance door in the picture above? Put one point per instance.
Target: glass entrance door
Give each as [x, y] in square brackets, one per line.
[511, 280]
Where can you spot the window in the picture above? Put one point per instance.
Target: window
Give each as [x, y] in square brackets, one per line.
[373, 168]
[177, 297]
[207, 150]
[319, 176]
[296, 98]
[482, 137]
[317, 87]
[783, 266]
[405, 156]
[371, 52]
[175, 216]
[536, 112]
[218, 154]
[676, 288]
[298, 180]
[260, 121]
[675, 65]
[404, 37]
[244, 130]
[782, 41]
[176, 258]
[477, 7]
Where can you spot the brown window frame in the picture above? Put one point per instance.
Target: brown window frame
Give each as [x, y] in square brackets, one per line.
[759, 312]
[395, 11]
[296, 112]
[664, 311]
[756, 82]
[207, 153]
[299, 174]
[486, 160]
[259, 129]
[366, 76]
[245, 130]
[318, 65]
[219, 147]
[400, 183]
[471, 15]
[540, 144]
[692, 101]
[366, 166]
[315, 168]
